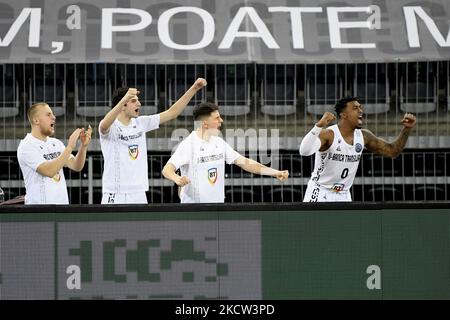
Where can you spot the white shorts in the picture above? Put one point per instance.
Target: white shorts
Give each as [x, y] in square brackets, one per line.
[317, 193]
[124, 198]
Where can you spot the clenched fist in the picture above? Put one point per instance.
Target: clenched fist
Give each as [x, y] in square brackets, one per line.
[131, 93]
[282, 175]
[182, 181]
[409, 120]
[326, 119]
[199, 83]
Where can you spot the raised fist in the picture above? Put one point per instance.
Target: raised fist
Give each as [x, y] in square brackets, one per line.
[282, 175]
[199, 83]
[409, 120]
[326, 119]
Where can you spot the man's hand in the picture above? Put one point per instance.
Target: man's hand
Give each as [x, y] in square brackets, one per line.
[72, 143]
[182, 181]
[409, 120]
[282, 175]
[199, 83]
[131, 93]
[85, 136]
[326, 119]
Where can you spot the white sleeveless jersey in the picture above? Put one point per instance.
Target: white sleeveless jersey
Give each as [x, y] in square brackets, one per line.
[335, 168]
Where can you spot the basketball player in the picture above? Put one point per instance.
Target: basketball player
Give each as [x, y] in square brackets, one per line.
[201, 158]
[124, 144]
[338, 150]
[41, 158]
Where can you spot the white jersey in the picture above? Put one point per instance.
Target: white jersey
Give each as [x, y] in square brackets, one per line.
[124, 150]
[203, 162]
[335, 168]
[31, 153]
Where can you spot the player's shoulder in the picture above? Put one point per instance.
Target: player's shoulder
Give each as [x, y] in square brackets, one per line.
[187, 141]
[366, 133]
[26, 141]
[144, 118]
[218, 139]
[329, 132]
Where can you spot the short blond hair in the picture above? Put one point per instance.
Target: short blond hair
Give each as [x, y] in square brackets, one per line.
[33, 109]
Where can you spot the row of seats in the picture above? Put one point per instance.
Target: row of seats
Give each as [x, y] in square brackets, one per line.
[231, 90]
[92, 98]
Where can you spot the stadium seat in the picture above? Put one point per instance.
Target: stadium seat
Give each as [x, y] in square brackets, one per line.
[371, 87]
[232, 89]
[239, 194]
[286, 194]
[9, 92]
[93, 92]
[9, 97]
[322, 94]
[232, 97]
[429, 192]
[385, 192]
[448, 92]
[47, 83]
[418, 97]
[418, 89]
[279, 90]
[51, 91]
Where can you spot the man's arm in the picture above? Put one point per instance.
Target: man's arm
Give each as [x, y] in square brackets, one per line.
[178, 107]
[390, 149]
[257, 168]
[52, 167]
[318, 138]
[111, 116]
[169, 173]
[77, 163]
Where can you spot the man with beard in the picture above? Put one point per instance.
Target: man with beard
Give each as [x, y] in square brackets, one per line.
[41, 158]
[338, 150]
[201, 159]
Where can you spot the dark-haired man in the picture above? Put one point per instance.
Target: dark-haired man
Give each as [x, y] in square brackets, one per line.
[124, 144]
[42, 157]
[338, 150]
[201, 159]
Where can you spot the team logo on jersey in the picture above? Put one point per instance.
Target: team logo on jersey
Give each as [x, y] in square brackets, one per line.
[338, 148]
[212, 175]
[133, 151]
[337, 187]
[56, 177]
[358, 147]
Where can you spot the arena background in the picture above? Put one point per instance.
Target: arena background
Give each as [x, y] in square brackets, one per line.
[273, 67]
